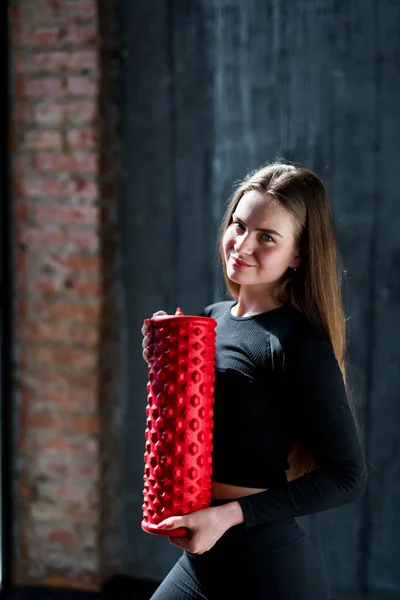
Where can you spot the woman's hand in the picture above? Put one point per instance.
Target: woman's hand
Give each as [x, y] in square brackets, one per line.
[205, 526]
[146, 332]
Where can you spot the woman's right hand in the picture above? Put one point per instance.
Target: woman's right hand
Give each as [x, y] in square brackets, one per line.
[146, 332]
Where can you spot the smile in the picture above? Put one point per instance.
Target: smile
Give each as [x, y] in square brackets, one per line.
[239, 264]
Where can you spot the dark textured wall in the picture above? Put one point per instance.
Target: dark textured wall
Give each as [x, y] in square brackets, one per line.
[211, 90]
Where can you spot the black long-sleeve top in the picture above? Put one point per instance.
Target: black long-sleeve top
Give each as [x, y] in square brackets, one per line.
[276, 379]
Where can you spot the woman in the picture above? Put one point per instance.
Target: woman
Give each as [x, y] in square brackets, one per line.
[286, 439]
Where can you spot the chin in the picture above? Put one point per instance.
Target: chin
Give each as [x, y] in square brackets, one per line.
[235, 276]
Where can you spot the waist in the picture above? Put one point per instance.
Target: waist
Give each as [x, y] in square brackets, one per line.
[241, 543]
[226, 491]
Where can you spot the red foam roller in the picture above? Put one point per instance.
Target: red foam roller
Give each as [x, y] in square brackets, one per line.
[180, 400]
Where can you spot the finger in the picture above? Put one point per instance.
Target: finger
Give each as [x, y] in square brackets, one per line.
[145, 329]
[146, 356]
[167, 523]
[171, 523]
[159, 313]
[146, 341]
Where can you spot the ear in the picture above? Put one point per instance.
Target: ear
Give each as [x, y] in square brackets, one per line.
[296, 262]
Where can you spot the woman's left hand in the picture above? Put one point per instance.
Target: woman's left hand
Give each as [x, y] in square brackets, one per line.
[205, 526]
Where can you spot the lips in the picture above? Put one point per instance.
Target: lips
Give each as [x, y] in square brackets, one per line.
[239, 263]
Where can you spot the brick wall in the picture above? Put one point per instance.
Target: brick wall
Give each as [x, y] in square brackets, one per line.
[63, 164]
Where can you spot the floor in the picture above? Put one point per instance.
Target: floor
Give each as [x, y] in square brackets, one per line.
[119, 589]
[122, 588]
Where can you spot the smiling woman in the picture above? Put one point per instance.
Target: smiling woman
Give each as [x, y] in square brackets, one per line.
[281, 401]
[259, 246]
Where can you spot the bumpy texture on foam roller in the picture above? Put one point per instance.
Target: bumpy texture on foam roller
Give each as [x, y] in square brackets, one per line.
[178, 465]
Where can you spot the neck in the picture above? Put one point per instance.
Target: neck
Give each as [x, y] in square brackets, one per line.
[248, 305]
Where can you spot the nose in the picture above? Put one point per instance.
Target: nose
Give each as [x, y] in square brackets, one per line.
[243, 245]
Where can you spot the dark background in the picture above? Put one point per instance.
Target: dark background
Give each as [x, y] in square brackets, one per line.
[209, 91]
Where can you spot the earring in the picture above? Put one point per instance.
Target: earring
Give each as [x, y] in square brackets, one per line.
[294, 269]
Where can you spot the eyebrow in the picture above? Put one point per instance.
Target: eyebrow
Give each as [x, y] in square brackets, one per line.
[234, 216]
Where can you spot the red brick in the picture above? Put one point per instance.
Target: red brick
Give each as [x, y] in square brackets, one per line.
[44, 87]
[87, 448]
[76, 289]
[83, 162]
[21, 211]
[56, 61]
[62, 536]
[19, 113]
[86, 289]
[82, 111]
[15, 15]
[78, 312]
[51, 287]
[57, 380]
[72, 112]
[41, 354]
[22, 308]
[80, 494]
[81, 514]
[84, 189]
[21, 262]
[42, 188]
[68, 401]
[81, 85]
[17, 188]
[42, 420]
[17, 37]
[76, 265]
[87, 425]
[82, 34]
[84, 59]
[42, 140]
[56, 467]
[60, 271]
[40, 62]
[71, 333]
[45, 36]
[64, 10]
[63, 492]
[47, 113]
[73, 240]
[85, 240]
[82, 138]
[39, 237]
[68, 215]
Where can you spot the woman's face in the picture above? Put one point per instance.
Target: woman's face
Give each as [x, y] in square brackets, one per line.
[255, 257]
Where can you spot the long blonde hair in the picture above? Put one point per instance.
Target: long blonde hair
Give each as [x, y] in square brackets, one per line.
[315, 288]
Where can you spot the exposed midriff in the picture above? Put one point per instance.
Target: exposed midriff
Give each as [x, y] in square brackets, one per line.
[225, 491]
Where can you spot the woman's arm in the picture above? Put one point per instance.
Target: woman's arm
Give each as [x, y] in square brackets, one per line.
[319, 399]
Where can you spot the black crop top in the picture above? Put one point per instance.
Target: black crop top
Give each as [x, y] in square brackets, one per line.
[276, 378]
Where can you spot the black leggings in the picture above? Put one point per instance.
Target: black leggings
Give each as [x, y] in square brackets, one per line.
[273, 561]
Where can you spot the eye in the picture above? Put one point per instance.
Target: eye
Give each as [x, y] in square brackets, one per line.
[237, 224]
[265, 235]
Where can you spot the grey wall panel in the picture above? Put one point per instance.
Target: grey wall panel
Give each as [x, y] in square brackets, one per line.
[148, 250]
[193, 130]
[384, 572]
[210, 91]
[349, 78]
